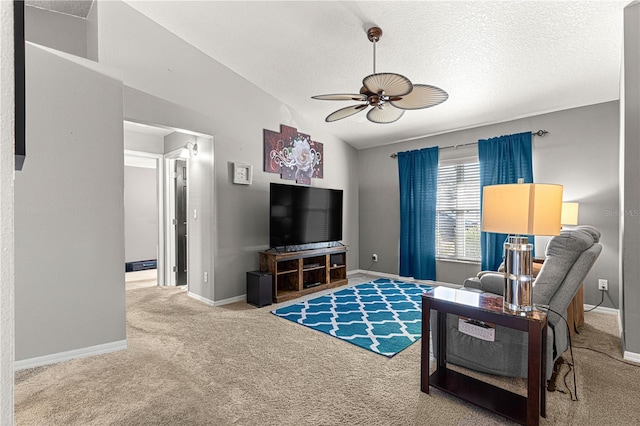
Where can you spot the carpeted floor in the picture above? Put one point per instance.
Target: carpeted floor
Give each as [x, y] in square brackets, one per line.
[192, 364]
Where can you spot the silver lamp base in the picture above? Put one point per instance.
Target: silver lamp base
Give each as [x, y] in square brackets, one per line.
[518, 283]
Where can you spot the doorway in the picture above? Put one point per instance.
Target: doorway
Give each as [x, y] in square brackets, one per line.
[176, 224]
[181, 221]
[165, 241]
[186, 193]
[142, 219]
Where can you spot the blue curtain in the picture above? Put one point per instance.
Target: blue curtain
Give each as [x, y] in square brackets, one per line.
[418, 172]
[502, 160]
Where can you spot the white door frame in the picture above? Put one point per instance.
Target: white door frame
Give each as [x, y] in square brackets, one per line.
[160, 191]
[170, 209]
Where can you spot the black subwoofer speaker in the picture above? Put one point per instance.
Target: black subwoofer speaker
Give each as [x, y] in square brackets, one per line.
[259, 288]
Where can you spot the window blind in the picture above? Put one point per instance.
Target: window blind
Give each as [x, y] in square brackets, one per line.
[458, 212]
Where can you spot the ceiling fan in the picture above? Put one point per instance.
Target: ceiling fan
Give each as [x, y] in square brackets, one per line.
[388, 94]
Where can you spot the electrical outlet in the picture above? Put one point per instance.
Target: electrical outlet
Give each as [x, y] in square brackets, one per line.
[603, 284]
[206, 277]
[374, 257]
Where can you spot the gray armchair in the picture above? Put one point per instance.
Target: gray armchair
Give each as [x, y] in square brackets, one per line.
[569, 257]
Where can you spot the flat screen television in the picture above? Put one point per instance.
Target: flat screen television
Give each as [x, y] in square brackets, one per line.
[303, 215]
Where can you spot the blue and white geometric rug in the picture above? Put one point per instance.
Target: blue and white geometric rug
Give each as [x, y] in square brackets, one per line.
[383, 316]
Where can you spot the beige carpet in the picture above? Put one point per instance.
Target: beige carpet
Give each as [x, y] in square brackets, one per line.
[141, 279]
[191, 364]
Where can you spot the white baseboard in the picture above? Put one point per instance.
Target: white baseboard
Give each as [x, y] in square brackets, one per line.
[222, 302]
[407, 279]
[620, 329]
[39, 361]
[603, 310]
[631, 356]
[241, 298]
[378, 274]
[200, 298]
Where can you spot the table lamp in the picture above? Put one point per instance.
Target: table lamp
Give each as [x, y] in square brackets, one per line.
[569, 214]
[520, 209]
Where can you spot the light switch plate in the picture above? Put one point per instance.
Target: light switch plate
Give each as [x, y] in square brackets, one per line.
[242, 174]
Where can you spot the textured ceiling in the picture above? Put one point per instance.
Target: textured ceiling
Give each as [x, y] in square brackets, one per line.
[498, 60]
[79, 8]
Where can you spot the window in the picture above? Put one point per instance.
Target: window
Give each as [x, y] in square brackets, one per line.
[458, 212]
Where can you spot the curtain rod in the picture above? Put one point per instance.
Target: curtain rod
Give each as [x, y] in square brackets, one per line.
[538, 133]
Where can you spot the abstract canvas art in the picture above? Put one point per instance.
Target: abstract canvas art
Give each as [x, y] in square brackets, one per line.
[293, 155]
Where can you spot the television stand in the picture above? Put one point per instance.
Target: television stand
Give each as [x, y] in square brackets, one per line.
[297, 273]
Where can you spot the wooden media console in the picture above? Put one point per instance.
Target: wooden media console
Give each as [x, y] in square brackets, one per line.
[297, 273]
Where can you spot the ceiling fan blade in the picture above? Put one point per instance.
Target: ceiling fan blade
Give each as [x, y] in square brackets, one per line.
[389, 83]
[422, 96]
[345, 112]
[342, 97]
[384, 114]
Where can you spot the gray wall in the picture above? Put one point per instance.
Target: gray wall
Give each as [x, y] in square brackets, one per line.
[178, 140]
[631, 176]
[69, 245]
[142, 142]
[92, 32]
[580, 152]
[173, 84]
[140, 214]
[56, 30]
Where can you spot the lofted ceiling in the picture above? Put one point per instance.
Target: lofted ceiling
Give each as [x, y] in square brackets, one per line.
[498, 60]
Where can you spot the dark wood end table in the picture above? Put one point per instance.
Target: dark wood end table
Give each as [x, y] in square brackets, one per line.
[485, 307]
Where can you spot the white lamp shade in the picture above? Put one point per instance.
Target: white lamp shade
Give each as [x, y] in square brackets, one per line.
[569, 214]
[522, 208]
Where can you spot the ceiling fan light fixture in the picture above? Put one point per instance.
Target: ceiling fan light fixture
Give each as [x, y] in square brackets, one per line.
[389, 94]
[384, 114]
